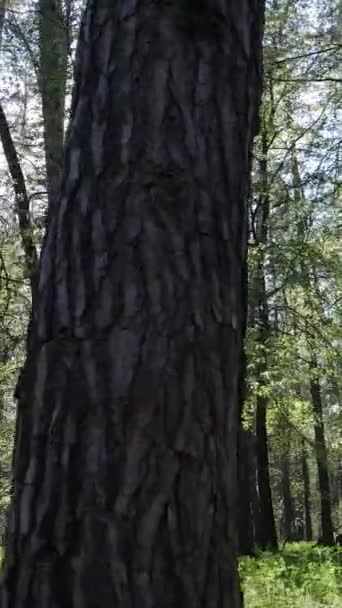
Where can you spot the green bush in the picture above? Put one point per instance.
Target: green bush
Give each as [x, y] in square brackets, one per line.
[299, 576]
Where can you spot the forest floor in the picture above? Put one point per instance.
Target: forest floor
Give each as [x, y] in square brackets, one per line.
[299, 576]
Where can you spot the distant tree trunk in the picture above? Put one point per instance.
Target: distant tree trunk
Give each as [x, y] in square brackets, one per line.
[2, 19]
[245, 514]
[267, 529]
[255, 502]
[53, 63]
[327, 531]
[19, 186]
[299, 524]
[245, 511]
[288, 509]
[22, 203]
[307, 497]
[125, 463]
[339, 495]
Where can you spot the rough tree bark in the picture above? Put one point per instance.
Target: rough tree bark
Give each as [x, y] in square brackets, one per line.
[125, 464]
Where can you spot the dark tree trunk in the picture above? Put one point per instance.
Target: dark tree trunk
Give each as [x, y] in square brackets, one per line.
[266, 526]
[339, 495]
[2, 19]
[245, 511]
[125, 465]
[327, 531]
[307, 496]
[267, 530]
[255, 501]
[53, 63]
[22, 203]
[288, 523]
[299, 524]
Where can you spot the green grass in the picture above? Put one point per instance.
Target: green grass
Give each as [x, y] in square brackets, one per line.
[299, 576]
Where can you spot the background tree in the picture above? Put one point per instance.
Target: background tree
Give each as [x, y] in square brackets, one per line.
[300, 96]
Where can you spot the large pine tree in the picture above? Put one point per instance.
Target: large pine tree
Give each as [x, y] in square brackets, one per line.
[125, 460]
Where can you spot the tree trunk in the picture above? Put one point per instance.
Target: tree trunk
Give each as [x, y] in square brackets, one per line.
[339, 495]
[19, 185]
[22, 203]
[255, 502]
[288, 510]
[307, 497]
[327, 531]
[53, 61]
[125, 465]
[245, 511]
[267, 529]
[245, 515]
[2, 19]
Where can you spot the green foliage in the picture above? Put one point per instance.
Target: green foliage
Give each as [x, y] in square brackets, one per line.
[6, 445]
[299, 576]
[295, 254]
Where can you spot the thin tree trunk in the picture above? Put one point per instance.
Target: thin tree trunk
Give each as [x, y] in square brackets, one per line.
[339, 495]
[327, 531]
[245, 511]
[255, 502]
[4, 357]
[53, 63]
[125, 465]
[22, 202]
[299, 524]
[267, 529]
[307, 496]
[2, 19]
[18, 180]
[288, 510]
[268, 535]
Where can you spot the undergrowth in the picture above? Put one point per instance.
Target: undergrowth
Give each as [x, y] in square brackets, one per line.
[300, 576]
